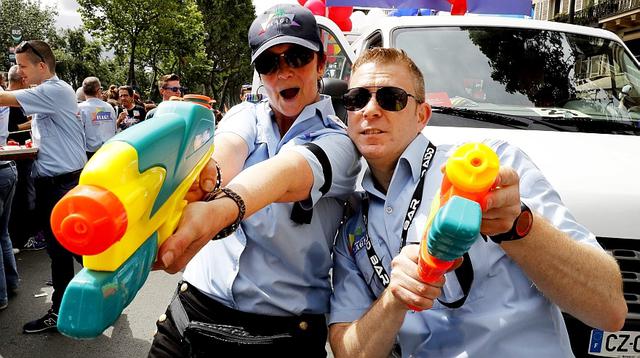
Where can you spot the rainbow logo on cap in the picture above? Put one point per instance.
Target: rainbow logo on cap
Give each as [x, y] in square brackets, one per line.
[278, 17]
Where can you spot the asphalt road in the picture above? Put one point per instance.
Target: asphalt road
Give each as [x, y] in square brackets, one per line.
[131, 336]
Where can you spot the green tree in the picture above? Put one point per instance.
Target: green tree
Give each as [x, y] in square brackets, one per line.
[227, 24]
[145, 32]
[176, 45]
[79, 56]
[35, 22]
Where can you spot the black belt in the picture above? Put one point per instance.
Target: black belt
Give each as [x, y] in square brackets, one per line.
[224, 314]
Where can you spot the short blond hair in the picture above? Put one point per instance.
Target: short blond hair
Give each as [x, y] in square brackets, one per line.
[387, 56]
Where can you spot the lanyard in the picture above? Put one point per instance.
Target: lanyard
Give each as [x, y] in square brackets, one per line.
[414, 204]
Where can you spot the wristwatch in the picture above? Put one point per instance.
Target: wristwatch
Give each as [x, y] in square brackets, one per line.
[521, 226]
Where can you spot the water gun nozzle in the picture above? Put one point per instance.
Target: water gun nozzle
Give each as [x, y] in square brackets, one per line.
[88, 220]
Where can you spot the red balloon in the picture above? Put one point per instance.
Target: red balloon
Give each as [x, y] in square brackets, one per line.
[301, 2]
[344, 24]
[316, 7]
[339, 13]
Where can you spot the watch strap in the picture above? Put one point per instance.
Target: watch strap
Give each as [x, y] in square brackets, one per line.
[521, 226]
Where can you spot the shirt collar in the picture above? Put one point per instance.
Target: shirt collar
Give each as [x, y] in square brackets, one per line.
[411, 159]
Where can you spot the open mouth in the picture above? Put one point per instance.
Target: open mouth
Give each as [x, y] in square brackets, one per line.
[371, 131]
[289, 93]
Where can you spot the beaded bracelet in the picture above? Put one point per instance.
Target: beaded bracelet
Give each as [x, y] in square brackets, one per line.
[209, 196]
[241, 210]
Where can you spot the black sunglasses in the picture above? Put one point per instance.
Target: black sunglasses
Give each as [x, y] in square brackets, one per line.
[25, 45]
[294, 57]
[174, 89]
[389, 98]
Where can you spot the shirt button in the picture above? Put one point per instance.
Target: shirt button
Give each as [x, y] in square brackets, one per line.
[303, 325]
[388, 210]
[162, 318]
[183, 287]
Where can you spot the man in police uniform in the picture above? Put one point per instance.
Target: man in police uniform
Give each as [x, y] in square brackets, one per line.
[59, 136]
[517, 281]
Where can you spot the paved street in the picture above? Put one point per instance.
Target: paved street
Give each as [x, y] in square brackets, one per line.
[130, 337]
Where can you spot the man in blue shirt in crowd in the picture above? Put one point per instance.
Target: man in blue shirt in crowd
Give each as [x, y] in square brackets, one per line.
[59, 136]
[518, 281]
[98, 116]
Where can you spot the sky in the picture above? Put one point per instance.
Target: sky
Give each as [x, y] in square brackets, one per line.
[68, 16]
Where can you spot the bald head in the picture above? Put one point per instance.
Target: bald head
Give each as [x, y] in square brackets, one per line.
[16, 81]
[91, 86]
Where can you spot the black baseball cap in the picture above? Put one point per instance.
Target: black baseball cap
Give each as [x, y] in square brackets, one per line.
[284, 24]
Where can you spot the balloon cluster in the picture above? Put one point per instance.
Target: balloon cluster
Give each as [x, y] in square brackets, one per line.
[338, 14]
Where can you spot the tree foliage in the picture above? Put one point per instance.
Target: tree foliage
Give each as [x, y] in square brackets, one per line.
[35, 21]
[227, 24]
[161, 34]
[203, 41]
[79, 56]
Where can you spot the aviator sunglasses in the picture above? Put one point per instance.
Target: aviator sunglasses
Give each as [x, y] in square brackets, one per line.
[174, 89]
[389, 98]
[25, 46]
[294, 57]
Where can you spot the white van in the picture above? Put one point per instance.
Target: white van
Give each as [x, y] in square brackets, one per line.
[569, 96]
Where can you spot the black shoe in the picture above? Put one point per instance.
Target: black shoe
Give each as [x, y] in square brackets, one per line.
[47, 322]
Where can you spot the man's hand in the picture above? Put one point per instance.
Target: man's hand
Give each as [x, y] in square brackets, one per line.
[204, 183]
[405, 285]
[502, 203]
[121, 117]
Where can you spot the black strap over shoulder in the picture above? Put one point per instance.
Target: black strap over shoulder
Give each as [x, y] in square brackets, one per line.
[298, 213]
[464, 273]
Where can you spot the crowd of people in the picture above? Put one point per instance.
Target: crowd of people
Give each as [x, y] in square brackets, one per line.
[276, 210]
[67, 127]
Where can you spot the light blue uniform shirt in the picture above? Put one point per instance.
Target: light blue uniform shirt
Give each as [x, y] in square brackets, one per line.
[56, 127]
[504, 314]
[272, 265]
[99, 121]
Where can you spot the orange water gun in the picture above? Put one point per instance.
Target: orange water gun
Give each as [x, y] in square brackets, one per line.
[456, 213]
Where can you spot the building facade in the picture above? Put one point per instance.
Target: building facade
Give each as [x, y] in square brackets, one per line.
[619, 16]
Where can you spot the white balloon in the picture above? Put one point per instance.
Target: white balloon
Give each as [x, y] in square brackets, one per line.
[358, 20]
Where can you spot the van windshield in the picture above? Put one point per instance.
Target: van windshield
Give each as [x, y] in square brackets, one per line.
[568, 79]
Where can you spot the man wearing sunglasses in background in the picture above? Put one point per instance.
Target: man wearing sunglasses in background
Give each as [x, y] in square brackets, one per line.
[59, 135]
[169, 86]
[517, 281]
[264, 290]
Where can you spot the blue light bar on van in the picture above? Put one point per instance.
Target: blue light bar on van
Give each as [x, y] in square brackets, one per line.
[498, 7]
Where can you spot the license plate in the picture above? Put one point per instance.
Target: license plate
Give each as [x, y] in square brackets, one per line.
[621, 344]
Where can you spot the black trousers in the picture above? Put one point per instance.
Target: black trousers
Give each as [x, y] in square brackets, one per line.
[21, 221]
[211, 329]
[48, 191]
